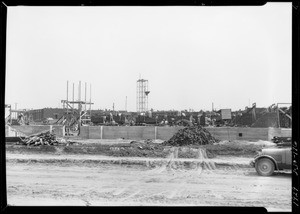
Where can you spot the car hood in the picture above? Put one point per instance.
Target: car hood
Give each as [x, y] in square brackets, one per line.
[273, 151]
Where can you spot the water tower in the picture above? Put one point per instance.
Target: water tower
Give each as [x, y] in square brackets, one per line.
[142, 93]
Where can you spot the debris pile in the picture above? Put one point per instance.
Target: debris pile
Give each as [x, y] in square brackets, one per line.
[147, 141]
[282, 141]
[193, 135]
[45, 138]
[276, 139]
[145, 144]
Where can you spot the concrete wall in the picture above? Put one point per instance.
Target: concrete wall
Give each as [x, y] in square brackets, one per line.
[238, 133]
[151, 132]
[10, 132]
[94, 132]
[29, 130]
[165, 133]
[84, 131]
[279, 132]
[223, 133]
[128, 132]
[35, 129]
[252, 134]
[286, 132]
[58, 130]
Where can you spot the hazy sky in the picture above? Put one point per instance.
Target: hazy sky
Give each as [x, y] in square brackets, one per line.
[191, 56]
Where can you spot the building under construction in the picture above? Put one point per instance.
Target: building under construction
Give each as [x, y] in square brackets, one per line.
[76, 112]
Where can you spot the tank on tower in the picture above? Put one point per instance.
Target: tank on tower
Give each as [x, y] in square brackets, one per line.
[142, 93]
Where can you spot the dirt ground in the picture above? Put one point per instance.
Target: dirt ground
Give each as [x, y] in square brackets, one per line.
[124, 148]
[36, 183]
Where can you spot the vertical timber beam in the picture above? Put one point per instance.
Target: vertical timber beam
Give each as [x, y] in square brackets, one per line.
[85, 103]
[90, 102]
[73, 99]
[278, 118]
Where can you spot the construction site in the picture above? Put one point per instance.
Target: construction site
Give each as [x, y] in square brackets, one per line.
[77, 155]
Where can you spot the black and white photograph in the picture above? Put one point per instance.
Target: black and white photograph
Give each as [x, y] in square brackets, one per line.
[149, 106]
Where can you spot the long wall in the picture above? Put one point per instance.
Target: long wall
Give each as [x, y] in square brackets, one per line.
[150, 132]
[165, 133]
[26, 130]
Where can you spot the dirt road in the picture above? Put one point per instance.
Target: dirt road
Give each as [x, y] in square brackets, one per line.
[112, 185]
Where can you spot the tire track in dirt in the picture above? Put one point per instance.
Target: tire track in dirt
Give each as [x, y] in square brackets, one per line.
[172, 166]
[166, 184]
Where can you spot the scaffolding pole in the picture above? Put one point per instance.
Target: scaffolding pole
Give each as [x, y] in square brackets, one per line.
[278, 116]
[79, 106]
[10, 113]
[85, 103]
[67, 96]
[91, 102]
[73, 99]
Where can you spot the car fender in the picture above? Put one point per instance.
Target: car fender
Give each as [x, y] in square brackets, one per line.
[269, 157]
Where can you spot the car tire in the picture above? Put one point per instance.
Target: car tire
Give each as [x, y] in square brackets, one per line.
[265, 167]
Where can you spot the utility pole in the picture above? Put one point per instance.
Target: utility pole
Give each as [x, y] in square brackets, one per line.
[79, 91]
[16, 104]
[85, 104]
[73, 99]
[67, 97]
[10, 113]
[79, 106]
[90, 102]
[278, 116]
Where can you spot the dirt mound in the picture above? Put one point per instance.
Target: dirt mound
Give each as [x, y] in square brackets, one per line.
[193, 135]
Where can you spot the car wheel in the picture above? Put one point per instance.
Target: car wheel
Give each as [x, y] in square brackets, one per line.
[264, 167]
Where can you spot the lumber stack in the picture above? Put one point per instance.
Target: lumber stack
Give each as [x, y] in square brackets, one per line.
[45, 138]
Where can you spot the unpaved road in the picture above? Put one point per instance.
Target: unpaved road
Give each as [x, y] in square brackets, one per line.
[37, 184]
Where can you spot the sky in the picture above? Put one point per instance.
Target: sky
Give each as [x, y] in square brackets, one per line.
[191, 56]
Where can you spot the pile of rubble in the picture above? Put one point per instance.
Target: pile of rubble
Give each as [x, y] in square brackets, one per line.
[276, 139]
[193, 135]
[282, 141]
[45, 138]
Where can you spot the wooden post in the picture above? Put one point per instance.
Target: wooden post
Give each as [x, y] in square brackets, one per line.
[67, 96]
[79, 107]
[73, 99]
[10, 114]
[90, 102]
[85, 103]
[63, 130]
[278, 118]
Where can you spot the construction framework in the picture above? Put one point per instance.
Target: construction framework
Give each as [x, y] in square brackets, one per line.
[142, 92]
[283, 112]
[78, 115]
[18, 114]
